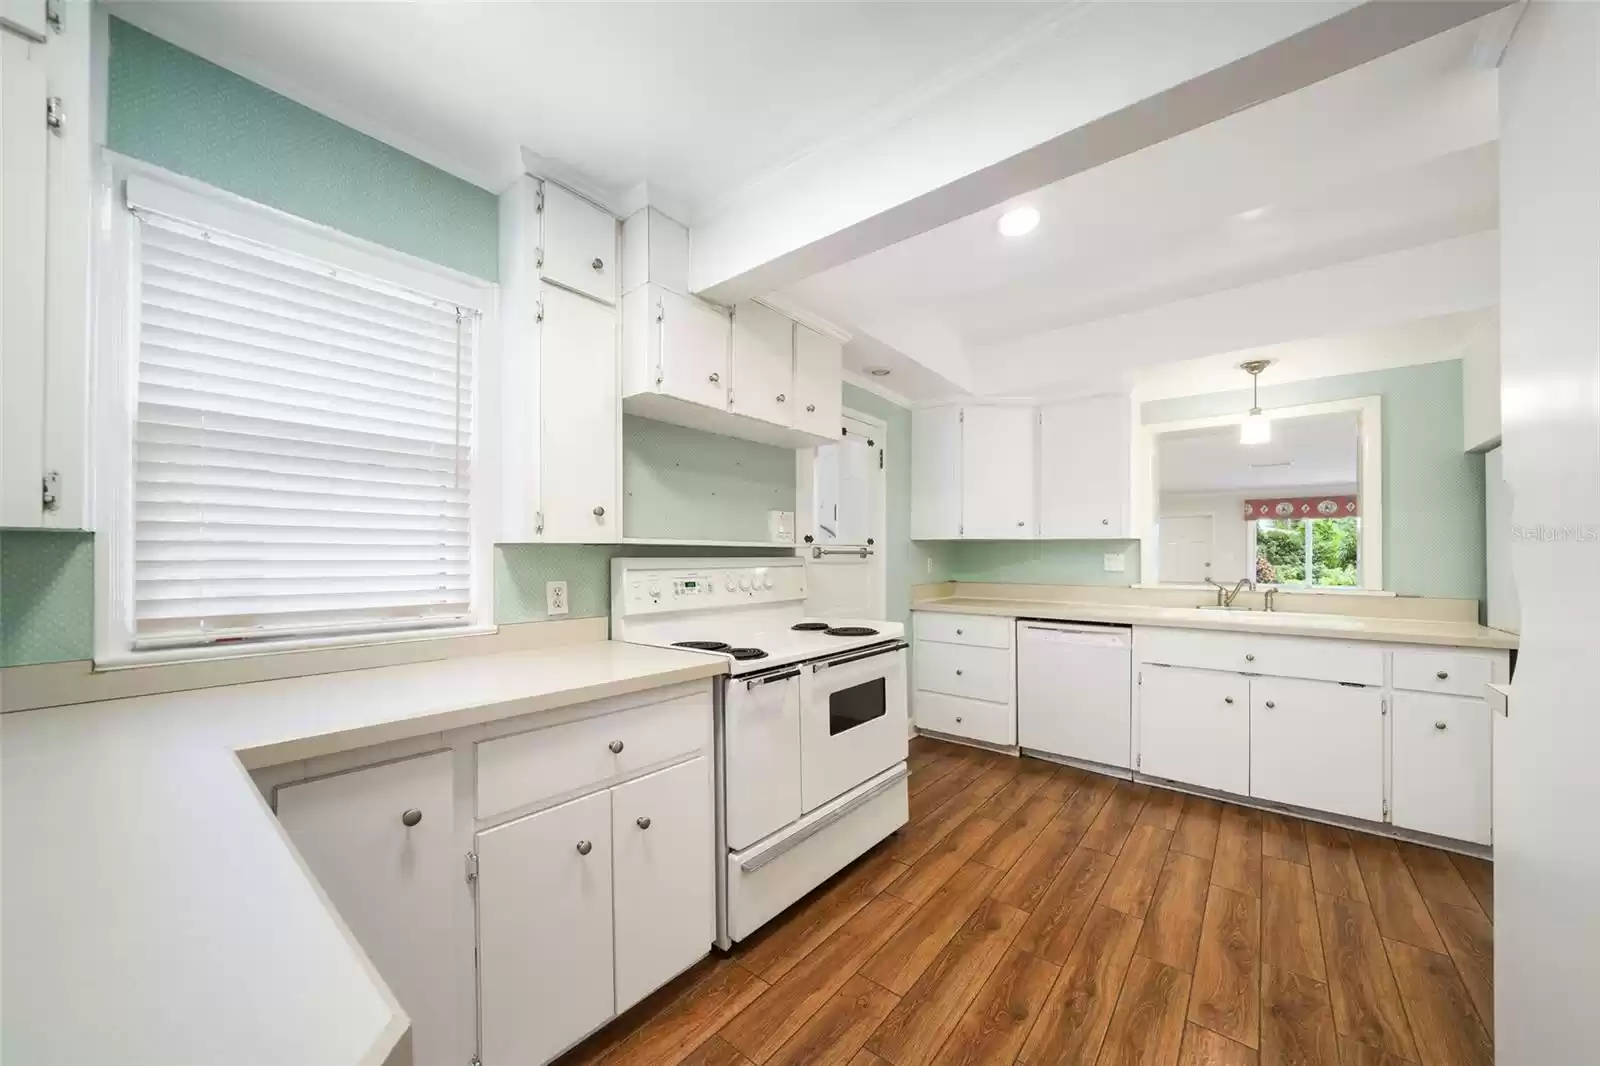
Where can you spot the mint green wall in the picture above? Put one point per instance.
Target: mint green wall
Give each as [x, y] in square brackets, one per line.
[687, 485]
[1041, 562]
[46, 597]
[1433, 517]
[904, 564]
[174, 109]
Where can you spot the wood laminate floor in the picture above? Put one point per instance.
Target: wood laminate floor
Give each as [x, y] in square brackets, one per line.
[1038, 914]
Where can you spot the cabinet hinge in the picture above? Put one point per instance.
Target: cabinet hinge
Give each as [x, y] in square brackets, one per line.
[538, 258]
[961, 416]
[538, 199]
[50, 495]
[661, 311]
[538, 522]
[55, 115]
[52, 15]
[1138, 762]
[880, 458]
[1385, 705]
[1141, 677]
[538, 310]
[961, 529]
[1386, 810]
[474, 1061]
[472, 869]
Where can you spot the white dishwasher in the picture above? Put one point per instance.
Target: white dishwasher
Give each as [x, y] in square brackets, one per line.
[1075, 691]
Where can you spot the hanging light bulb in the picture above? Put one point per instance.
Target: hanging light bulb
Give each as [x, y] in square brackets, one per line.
[1256, 427]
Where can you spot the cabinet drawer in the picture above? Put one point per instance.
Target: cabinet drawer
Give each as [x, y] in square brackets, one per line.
[1446, 670]
[980, 720]
[984, 630]
[959, 670]
[524, 768]
[1442, 756]
[1310, 658]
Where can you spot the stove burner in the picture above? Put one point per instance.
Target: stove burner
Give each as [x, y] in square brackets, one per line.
[743, 654]
[702, 645]
[852, 631]
[809, 627]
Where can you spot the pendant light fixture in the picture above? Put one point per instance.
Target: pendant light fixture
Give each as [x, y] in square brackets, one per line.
[1256, 427]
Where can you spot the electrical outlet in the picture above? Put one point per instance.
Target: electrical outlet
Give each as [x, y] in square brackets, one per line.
[555, 597]
[928, 565]
[1114, 562]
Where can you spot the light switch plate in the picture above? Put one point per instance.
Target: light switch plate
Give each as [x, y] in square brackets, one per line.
[555, 597]
[780, 527]
[1115, 562]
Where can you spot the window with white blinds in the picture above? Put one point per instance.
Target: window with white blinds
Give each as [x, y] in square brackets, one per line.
[302, 446]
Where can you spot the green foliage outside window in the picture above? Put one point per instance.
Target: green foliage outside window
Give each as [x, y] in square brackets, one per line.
[1281, 551]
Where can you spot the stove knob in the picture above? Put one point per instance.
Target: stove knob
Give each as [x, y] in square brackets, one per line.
[730, 583]
[744, 582]
[766, 582]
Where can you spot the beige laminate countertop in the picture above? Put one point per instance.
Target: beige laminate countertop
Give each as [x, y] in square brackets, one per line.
[1288, 623]
[152, 909]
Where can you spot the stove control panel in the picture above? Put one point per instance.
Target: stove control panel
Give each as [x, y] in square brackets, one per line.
[684, 588]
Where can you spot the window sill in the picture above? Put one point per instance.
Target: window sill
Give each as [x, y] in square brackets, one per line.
[227, 652]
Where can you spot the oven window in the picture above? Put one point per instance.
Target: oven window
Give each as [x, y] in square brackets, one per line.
[856, 705]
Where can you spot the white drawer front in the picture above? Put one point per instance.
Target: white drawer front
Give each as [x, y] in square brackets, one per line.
[984, 630]
[1311, 658]
[959, 670]
[524, 768]
[1445, 670]
[980, 720]
[1442, 752]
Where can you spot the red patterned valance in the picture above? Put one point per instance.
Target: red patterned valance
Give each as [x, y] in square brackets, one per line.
[1303, 507]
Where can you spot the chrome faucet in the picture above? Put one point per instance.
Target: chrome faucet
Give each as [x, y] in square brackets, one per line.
[1225, 597]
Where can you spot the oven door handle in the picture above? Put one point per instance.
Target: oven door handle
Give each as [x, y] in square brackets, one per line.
[770, 678]
[800, 836]
[870, 654]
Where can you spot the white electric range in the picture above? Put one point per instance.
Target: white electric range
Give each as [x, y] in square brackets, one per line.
[811, 723]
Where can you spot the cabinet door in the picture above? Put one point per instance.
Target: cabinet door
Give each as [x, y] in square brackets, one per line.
[936, 473]
[997, 464]
[23, 215]
[27, 17]
[580, 438]
[763, 364]
[1441, 781]
[1084, 450]
[1194, 727]
[544, 930]
[693, 353]
[580, 244]
[1317, 744]
[818, 371]
[396, 886]
[665, 899]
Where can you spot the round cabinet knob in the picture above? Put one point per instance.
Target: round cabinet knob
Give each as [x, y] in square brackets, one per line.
[714, 378]
[411, 818]
[1442, 674]
[1227, 700]
[959, 632]
[1270, 705]
[811, 408]
[1249, 658]
[599, 512]
[1440, 725]
[780, 397]
[1021, 524]
[1105, 521]
[958, 719]
[958, 673]
[616, 747]
[598, 264]
[643, 822]
[584, 847]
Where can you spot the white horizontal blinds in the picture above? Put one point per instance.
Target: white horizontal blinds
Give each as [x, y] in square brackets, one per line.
[301, 450]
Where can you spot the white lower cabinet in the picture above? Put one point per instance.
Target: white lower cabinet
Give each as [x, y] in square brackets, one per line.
[545, 975]
[380, 842]
[662, 877]
[1442, 747]
[1317, 744]
[1194, 727]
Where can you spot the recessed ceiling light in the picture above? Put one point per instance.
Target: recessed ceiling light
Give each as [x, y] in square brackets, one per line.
[878, 371]
[1019, 220]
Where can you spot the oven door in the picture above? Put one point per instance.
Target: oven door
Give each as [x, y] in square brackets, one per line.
[852, 721]
[761, 754]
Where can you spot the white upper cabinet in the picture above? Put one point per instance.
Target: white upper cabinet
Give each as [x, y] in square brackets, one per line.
[997, 465]
[580, 425]
[818, 369]
[27, 18]
[763, 364]
[1085, 449]
[579, 243]
[936, 473]
[675, 347]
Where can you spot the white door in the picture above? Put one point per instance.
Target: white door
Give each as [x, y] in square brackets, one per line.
[997, 464]
[663, 877]
[853, 722]
[848, 500]
[396, 885]
[1442, 750]
[1074, 692]
[1185, 548]
[581, 434]
[1194, 727]
[693, 354]
[818, 365]
[761, 755]
[763, 364]
[936, 473]
[1317, 744]
[544, 930]
[580, 244]
[1083, 489]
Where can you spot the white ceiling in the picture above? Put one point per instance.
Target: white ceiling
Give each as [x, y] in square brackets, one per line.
[692, 99]
[1396, 155]
[1314, 452]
